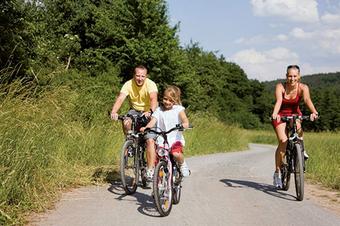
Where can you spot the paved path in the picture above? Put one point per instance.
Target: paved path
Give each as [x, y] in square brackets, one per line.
[223, 189]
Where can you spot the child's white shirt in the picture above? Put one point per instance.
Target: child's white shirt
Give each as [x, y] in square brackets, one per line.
[167, 120]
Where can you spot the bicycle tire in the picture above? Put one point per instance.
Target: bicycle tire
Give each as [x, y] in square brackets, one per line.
[177, 187]
[162, 188]
[285, 171]
[298, 173]
[285, 178]
[129, 168]
[177, 194]
[142, 168]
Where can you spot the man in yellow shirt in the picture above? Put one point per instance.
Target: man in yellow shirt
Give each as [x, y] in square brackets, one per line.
[142, 93]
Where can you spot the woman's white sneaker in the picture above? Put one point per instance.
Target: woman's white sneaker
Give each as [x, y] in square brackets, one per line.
[277, 180]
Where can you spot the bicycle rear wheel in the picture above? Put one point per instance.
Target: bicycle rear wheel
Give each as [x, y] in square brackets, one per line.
[298, 173]
[129, 170]
[162, 188]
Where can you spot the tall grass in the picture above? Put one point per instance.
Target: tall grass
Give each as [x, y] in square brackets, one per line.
[43, 151]
[324, 162]
[209, 135]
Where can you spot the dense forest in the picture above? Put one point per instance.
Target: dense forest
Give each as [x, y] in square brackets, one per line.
[91, 46]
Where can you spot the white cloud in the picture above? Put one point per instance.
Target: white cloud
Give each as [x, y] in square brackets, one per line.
[293, 10]
[282, 37]
[265, 65]
[329, 18]
[326, 39]
[250, 41]
[329, 40]
[299, 33]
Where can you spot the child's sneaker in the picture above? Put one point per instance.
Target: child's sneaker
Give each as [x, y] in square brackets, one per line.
[184, 169]
[149, 175]
[277, 180]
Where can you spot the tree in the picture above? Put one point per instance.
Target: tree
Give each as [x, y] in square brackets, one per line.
[15, 41]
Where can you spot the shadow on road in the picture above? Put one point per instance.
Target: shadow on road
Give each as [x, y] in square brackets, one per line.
[266, 188]
[145, 202]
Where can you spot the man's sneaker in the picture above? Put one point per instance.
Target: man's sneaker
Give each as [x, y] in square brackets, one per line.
[184, 169]
[149, 175]
[277, 180]
[305, 155]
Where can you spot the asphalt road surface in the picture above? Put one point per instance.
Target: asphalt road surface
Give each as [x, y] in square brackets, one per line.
[223, 189]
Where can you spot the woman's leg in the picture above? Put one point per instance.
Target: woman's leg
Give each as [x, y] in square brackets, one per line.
[281, 135]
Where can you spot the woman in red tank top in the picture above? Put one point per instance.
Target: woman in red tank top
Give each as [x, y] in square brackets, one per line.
[288, 97]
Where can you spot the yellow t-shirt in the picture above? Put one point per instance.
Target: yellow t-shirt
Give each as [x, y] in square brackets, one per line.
[139, 95]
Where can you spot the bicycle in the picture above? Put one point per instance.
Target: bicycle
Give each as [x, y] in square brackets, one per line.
[167, 176]
[132, 161]
[293, 160]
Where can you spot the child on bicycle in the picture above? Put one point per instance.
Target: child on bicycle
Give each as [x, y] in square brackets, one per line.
[168, 116]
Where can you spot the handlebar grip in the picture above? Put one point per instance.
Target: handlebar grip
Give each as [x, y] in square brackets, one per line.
[120, 117]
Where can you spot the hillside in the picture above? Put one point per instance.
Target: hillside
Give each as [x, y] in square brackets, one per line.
[315, 81]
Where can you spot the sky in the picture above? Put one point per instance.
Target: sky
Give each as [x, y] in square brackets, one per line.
[263, 36]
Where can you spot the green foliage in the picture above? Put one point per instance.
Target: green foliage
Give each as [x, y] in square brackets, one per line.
[16, 45]
[224, 90]
[47, 144]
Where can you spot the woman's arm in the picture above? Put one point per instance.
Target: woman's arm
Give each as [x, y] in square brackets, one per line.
[308, 101]
[278, 97]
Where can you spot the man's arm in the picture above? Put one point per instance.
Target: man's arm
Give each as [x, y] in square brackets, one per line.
[116, 106]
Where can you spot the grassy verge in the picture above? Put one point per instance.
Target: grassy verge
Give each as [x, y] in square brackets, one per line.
[44, 150]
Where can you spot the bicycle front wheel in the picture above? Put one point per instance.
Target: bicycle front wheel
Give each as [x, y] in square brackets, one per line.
[298, 173]
[177, 193]
[285, 172]
[162, 188]
[129, 170]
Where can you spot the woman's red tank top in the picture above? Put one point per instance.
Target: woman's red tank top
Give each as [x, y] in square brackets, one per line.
[290, 106]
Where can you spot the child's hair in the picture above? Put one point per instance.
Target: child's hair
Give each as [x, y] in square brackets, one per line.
[175, 94]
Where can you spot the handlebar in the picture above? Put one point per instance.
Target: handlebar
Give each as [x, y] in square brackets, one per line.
[177, 127]
[295, 117]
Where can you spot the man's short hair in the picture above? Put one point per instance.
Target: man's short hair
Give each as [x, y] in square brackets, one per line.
[141, 67]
